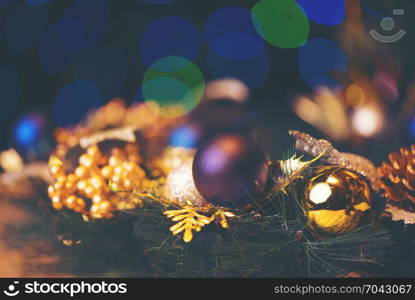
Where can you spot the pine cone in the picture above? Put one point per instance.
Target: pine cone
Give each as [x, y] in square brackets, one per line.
[397, 178]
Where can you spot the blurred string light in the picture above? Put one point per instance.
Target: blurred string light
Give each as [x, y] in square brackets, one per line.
[74, 101]
[230, 33]
[82, 26]
[252, 71]
[226, 88]
[319, 60]
[355, 95]
[281, 23]
[172, 86]
[36, 2]
[367, 121]
[325, 111]
[24, 27]
[366, 111]
[356, 112]
[107, 67]
[169, 36]
[28, 129]
[10, 91]
[324, 12]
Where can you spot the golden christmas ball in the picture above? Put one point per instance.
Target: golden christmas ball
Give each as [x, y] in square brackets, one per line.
[336, 200]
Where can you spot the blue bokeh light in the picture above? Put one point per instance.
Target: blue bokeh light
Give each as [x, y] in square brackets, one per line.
[24, 27]
[72, 35]
[10, 91]
[169, 36]
[252, 71]
[82, 26]
[107, 67]
[93, 14]
[318, 59]
[324, 12]
[230, 32]
[238, 45]
[184, 136]
[74, 101]
[27, 130]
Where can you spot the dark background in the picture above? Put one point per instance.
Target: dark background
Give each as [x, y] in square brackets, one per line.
[120, 25]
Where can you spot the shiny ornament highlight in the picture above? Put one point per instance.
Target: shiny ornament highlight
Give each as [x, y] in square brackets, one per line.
[336, 200]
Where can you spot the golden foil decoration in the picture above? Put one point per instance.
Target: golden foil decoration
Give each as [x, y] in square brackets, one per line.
[336, 199]
[190, 218]
[330, 155]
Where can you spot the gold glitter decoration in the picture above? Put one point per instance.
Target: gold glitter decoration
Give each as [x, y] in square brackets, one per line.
[398, 214]
[89, 188]
[222, 215]
[180, 187]
[336, 199]
[330, 155]
[173, 158]
[189, 219]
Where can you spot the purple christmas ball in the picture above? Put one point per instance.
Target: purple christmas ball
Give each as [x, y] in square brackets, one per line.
[230, 170]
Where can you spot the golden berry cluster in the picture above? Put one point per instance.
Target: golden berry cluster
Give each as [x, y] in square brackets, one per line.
[93, 188]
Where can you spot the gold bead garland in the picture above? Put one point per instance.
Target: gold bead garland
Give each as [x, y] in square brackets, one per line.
[89, 189]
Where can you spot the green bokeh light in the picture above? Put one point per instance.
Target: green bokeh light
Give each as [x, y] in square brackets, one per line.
[173, 86]
[281, 23]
